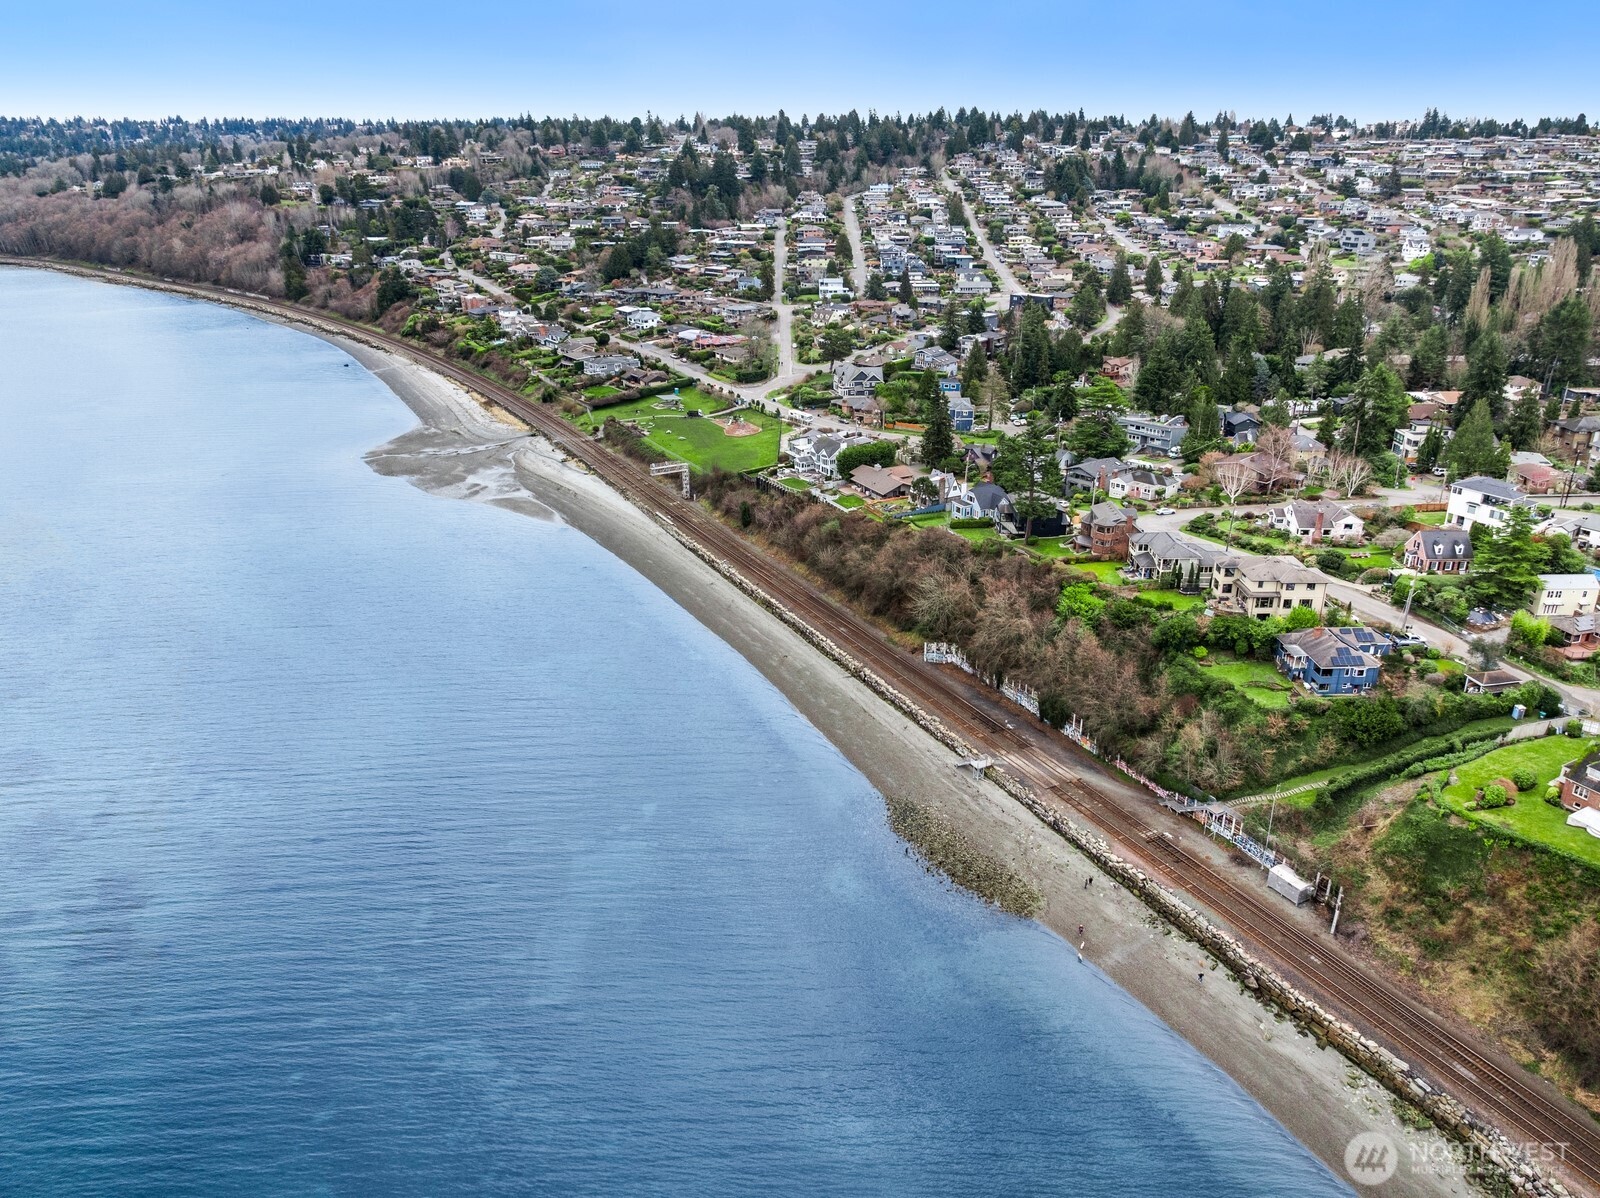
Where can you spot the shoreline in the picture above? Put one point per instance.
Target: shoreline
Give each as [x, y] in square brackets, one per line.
[463, 448]
[1312, 1090]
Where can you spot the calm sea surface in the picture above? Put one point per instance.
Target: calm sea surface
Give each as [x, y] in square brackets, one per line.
[358, 841]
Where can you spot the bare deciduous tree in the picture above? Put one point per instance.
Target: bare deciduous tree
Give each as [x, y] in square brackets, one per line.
[1347, 471]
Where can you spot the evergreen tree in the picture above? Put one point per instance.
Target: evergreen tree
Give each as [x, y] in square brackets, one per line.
[1526, 421]
[1377, 405]
[1506, 565]
[875, 288]
[1205, 426]
[1429, 358]
[1119, 289]
[1473, 449]
[1030, 354]
[1487, 370]
[974, 372]
[1431, 449]
[1128, 339]
[1026, 466]
[1088, 309]
[1159, 387]
[907, 296]
[1237, 385]
[1153, 278]
[938, 442]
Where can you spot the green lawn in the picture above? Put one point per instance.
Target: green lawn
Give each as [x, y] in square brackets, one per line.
[697, 440]
[1544, 756]
[1258, 680]
[600, 391]
[929, 520]
[1105, 572]
[1054, 547]
[1176, 600]
[850, 502]
[978, 535]
[1431, 517]
[1535, 820]
[1532, 818]
[1372, 559]
[795, 484]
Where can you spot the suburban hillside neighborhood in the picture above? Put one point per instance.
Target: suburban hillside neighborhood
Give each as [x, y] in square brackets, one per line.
[1257, 457]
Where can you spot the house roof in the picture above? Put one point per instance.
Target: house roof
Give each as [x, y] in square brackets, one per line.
[1562, 581]
[1274, 569]
[1496, 488]
[1439, 543]
[1106, 515]
[1327, 648]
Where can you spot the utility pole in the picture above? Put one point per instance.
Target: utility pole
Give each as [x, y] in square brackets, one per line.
[1338, 905]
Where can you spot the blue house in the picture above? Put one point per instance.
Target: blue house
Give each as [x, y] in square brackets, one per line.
[961, 414]
[1333, 661]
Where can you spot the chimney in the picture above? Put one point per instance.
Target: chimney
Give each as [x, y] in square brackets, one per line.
[1316, 529]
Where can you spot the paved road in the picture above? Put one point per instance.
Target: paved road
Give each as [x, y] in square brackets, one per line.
[1375, 609]
[852, 230]
[1001, 299]
[783, 328]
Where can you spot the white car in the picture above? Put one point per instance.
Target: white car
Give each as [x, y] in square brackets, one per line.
[1166, 511]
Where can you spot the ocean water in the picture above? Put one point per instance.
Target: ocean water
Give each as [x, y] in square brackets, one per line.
[359, 841]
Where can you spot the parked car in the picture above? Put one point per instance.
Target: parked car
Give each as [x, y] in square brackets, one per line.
[1166, 511]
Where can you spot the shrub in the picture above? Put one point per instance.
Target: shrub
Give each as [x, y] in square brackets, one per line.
[1574, 728]
[1494, 795]
[1201, 652]
[1524, 779]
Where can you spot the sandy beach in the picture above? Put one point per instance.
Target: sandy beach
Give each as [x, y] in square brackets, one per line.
[465, 450]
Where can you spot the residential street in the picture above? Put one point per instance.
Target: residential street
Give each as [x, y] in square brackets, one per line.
[1001, 299]
[852, 229]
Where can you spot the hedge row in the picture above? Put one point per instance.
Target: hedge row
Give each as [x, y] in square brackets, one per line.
[1423, 751]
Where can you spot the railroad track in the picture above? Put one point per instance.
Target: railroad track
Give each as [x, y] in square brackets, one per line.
[1496, 1089]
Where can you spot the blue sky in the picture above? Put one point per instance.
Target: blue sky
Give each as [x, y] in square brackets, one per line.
[402, 59]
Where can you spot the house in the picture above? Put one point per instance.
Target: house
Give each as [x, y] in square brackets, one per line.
[1006, 518]
[1092, 474]
[814, 453]
[1580, 782]
[851, 380]
[1540, 478]
[940, 361]
[1239, 428]
[1314, 522]
[962, 414]
[643, 318]
[1577, 437]
[1575, 637]
[1333, 661]
[977, 502]
[606, 365]
[1135, 482]
[1438, 551]
[1155, 434]
[1162, 556]
[1491, 682]
[1105, 530]
[1565, 595]
[1581, 528]
[883, 482]
[1481, 500]
[1266, 586]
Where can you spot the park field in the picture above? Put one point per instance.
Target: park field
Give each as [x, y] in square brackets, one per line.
[700, 441]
